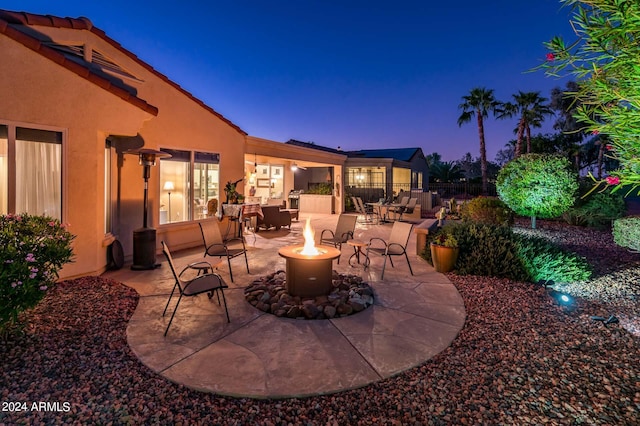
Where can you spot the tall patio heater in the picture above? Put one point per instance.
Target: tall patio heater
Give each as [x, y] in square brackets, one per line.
[144, 239]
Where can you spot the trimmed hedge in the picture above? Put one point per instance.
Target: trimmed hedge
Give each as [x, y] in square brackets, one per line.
[538, 185]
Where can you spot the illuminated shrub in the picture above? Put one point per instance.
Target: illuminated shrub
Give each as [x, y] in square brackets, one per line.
[496, 251]
[626, 232]
[537, 185]
[544, 260]
[597, 210]
[491, 211]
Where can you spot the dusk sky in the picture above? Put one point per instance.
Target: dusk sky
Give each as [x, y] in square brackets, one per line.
[350, 74]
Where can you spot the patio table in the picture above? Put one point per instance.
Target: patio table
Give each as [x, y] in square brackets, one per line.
[379, 208]
[357, 250]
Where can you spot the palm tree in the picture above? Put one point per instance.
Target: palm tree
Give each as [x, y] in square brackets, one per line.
[532, 109]
[479, 103]
[446, 171]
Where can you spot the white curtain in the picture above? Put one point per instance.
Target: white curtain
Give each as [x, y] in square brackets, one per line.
[39, 178]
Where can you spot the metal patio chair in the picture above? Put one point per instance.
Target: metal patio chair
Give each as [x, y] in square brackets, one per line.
[215, 245]
[344, 231]
[208, 283]
[395, 246]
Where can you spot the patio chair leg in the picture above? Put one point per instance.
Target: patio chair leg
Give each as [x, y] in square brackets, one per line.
[408, 263]
[230, 271]
[367, 262]
[339, 247]
[165, 308]
[225, 304]
[246, 261]
[384, 264]
[210, 294]
[172, 315]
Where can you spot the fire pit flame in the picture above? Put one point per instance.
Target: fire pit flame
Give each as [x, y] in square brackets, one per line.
[309, 248]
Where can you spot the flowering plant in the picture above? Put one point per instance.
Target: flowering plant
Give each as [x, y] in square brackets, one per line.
[32, 251]
[445, 239]
[604, 59]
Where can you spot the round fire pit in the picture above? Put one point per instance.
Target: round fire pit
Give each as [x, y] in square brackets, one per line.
[309, 275]
[349, 296]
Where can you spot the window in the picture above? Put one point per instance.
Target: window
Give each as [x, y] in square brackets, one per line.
[205, 183]
[366, 177]
[179, 200]
[401, 179]
[269, 182]
[31, 170]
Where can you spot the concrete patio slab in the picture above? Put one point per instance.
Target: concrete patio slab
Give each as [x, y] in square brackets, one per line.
[258, 355]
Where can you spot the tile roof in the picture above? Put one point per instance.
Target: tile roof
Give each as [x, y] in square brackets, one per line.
[400, 154]
[314, 146]
[10, 21]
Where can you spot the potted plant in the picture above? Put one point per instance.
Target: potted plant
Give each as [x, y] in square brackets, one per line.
[444, 251]
[233, 196]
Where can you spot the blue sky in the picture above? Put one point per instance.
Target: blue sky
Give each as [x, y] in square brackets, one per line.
[355, 74]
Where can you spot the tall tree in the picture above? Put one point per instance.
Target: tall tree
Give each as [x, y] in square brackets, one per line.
[531, 109]
[479, 103]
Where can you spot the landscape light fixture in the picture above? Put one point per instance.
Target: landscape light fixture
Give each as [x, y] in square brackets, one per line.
[144, 239]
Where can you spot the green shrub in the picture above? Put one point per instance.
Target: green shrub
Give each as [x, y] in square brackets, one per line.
[597, 210]
[321, 189]
[537, 185]
[32, 251]
[491, 211]
[485, 250]
[496, 251]
[626, 232]
[543, 260]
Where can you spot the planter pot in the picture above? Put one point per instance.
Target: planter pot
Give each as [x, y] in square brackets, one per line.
[444, 258]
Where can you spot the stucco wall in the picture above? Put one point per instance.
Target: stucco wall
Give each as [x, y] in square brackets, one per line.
[46, 94]
[39, 93]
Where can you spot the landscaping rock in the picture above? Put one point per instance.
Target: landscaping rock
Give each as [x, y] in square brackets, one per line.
[349, 296]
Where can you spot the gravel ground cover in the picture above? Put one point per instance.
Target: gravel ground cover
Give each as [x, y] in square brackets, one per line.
[519, 359]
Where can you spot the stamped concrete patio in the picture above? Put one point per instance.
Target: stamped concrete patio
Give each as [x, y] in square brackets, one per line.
[259, 355]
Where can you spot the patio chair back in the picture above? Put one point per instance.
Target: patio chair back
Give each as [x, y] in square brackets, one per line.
[404, 201]
[366, 212]
[356, 205]
[396, 245]
[207, 283]
[344, 231]
[216, 246]
[409, 208]
[399, 238]
[345, 227]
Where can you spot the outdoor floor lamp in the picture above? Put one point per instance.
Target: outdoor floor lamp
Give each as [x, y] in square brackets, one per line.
[144, 239]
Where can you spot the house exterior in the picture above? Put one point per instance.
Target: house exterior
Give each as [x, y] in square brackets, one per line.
[79, 101]
[376, 173]
[76, 102]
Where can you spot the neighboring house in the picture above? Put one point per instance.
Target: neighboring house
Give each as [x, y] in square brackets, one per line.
[74, 101]
[377, 173]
